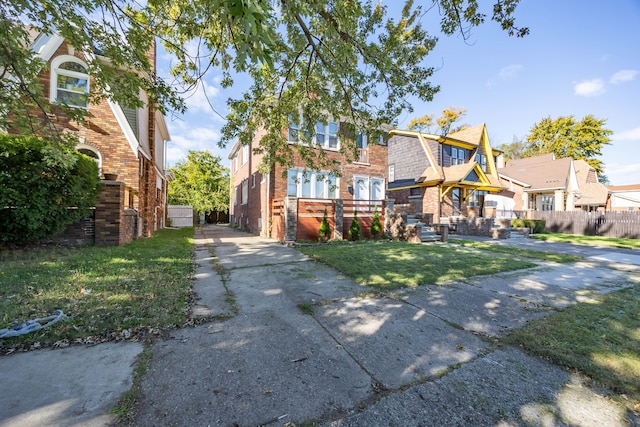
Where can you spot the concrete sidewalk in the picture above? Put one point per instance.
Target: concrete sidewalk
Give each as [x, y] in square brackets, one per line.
[422, 357]
[290, 340]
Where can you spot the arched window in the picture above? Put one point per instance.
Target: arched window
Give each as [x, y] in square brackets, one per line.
[93, 153]
[70, 81]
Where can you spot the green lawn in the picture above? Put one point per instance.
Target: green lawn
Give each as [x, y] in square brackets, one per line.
[104, 290]
[513, 251]
[600, 339]
[611, 242]
[393, 265]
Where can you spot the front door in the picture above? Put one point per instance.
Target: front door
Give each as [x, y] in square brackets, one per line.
[361, 187]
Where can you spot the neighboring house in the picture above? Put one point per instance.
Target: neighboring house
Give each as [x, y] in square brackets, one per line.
[544, 183]
[129, 143]
[442, 176]
[256, 197]
[624, 198]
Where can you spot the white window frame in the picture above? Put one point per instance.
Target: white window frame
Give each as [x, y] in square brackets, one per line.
[392, 173]
[304, 178]
[481, 159]
[245, 192]
[57, 71]
[362, 140]
[245, 154]
[98, 157]
[253, 180]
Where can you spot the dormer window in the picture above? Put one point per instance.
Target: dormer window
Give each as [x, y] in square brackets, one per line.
[70, 81]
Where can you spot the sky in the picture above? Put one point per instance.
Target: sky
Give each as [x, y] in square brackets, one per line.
[581, 57]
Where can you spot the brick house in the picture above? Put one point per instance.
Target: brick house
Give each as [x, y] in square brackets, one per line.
[129, 145]
[288, 203]
[442, 177]
[544, 183]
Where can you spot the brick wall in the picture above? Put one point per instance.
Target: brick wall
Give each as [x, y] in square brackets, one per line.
[111, 228]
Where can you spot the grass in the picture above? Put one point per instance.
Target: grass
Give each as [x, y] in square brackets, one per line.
[107, 291]
[392, 265]
[600, 339]
[610, 242]
[519, 252]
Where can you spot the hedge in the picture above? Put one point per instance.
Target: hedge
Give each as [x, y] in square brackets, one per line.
[43, 188]
[535, 225]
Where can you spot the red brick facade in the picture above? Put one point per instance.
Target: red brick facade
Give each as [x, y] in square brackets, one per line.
[133, 151]
[254, 211]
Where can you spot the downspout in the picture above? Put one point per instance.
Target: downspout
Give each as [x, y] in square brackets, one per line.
[267, 224]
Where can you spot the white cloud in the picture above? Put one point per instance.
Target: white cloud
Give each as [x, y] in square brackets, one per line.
[201, 96]
[623, 76]
[629, 135]
[184, 139]
[623, 174]
[510, 71]
[593, 87]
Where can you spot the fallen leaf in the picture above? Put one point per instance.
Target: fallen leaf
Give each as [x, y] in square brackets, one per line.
[460, 347]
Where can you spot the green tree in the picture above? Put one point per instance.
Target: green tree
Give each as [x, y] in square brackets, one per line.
[354, 229]
[200, 181]
[566, 137]
[324, 232]
[513, 151]
[376, 227]
[315, 60]
[444, 122]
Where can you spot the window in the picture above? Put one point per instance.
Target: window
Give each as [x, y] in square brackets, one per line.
[294, 130]
[362, 140]
[245, 154]
[476, 198]
[327, 135]
[415, 192]
[245, 192]
[93, 153]
[481, 159]
[392, 173]
[547, 202]
[455, 200]
[235, 162]
[458, 156]
[304, 183]
[70, 81]
[253, 181]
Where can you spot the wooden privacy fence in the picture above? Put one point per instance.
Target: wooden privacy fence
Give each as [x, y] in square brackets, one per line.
[300, 219]
[363, 210]
[608, 224]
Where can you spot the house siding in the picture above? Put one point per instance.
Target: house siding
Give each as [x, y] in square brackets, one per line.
[407, 156]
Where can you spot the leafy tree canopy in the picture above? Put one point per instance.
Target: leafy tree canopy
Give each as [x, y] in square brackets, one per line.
[200, 181]
[567, 137]
[317, 60]
[444, 122]
[513, 151]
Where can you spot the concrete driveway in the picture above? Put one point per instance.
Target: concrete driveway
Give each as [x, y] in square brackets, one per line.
[419, 357]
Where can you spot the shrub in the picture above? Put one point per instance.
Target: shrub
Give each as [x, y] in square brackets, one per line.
[354, 230]
[324, 233]
[45, 188]
[535, 225]
[376, 227]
